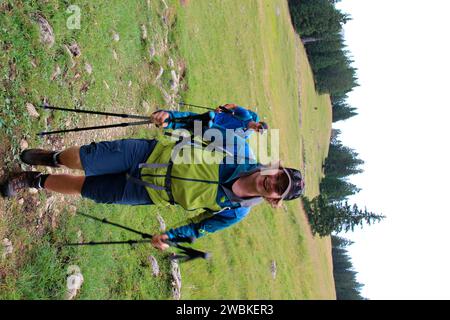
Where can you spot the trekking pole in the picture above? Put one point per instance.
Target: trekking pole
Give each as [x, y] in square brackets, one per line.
[94, 243]
[106, 221]
[121, 115]
[207, 108]
[123, 124]
[187, 254]
[239, 114]
[186, 121]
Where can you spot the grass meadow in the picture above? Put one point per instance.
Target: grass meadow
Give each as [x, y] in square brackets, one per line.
[243, 52]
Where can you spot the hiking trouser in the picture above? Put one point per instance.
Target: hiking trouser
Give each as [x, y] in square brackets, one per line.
[106, 165]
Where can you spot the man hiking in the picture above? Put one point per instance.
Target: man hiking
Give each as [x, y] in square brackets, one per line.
[149, 172]
[239, 118]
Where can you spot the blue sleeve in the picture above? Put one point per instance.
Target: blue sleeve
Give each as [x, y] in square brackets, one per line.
[177, 115]
[242, 114]
[212, 224]
[254, 115]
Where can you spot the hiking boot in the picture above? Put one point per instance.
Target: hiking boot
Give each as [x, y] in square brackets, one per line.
[21, 181]
[39, 157]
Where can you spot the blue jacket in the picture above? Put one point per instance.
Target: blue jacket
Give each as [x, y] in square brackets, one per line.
[239, 120]
[234, 208]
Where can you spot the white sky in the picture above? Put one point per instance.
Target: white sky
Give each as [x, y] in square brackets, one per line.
[402, 52]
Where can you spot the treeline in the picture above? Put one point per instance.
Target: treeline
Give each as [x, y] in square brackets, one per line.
[326, 217]
[330, 212]
[320, 26]
[340, 163]
[347, 287]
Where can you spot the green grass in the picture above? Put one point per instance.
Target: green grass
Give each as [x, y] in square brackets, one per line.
[241, 52]
[115, 85]
[254, 63]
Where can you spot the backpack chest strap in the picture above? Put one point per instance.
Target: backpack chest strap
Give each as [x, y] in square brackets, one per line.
[167, 180]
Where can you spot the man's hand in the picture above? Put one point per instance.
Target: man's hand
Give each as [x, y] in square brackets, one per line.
[229, 106]
[159, 118]
[158, 241]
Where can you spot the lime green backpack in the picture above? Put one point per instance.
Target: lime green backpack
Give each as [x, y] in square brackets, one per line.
[189, 179]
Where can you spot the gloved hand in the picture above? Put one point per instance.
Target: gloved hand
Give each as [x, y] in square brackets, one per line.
[160, 118]
[158, 241]
[228, 106]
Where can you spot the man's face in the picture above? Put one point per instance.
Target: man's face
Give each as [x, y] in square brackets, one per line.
[256, 126]
[271, 183]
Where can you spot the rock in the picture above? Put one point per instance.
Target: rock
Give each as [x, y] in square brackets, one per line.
[116, 37]
[33, 190]
[174, 76]
[23, 144]
[85, 87]
[181, 66]
[160, 73]
[32, 110]
[162, 224]
[273, 269]
[152, 51]
[174, 82]
[174, 86]
[12, 71]
[7, 248]
[55, 73]
[74, 49]
[155, 266]
[170, 63]
[72, 269]
[176, 283]
[70, 57]
[49, 202]
[166, 96]
[46, 31]
[54, 219]
[88, 68]
[144, 32]
[33, 63]
[72, 210]
[146, 106]
[74, 281]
